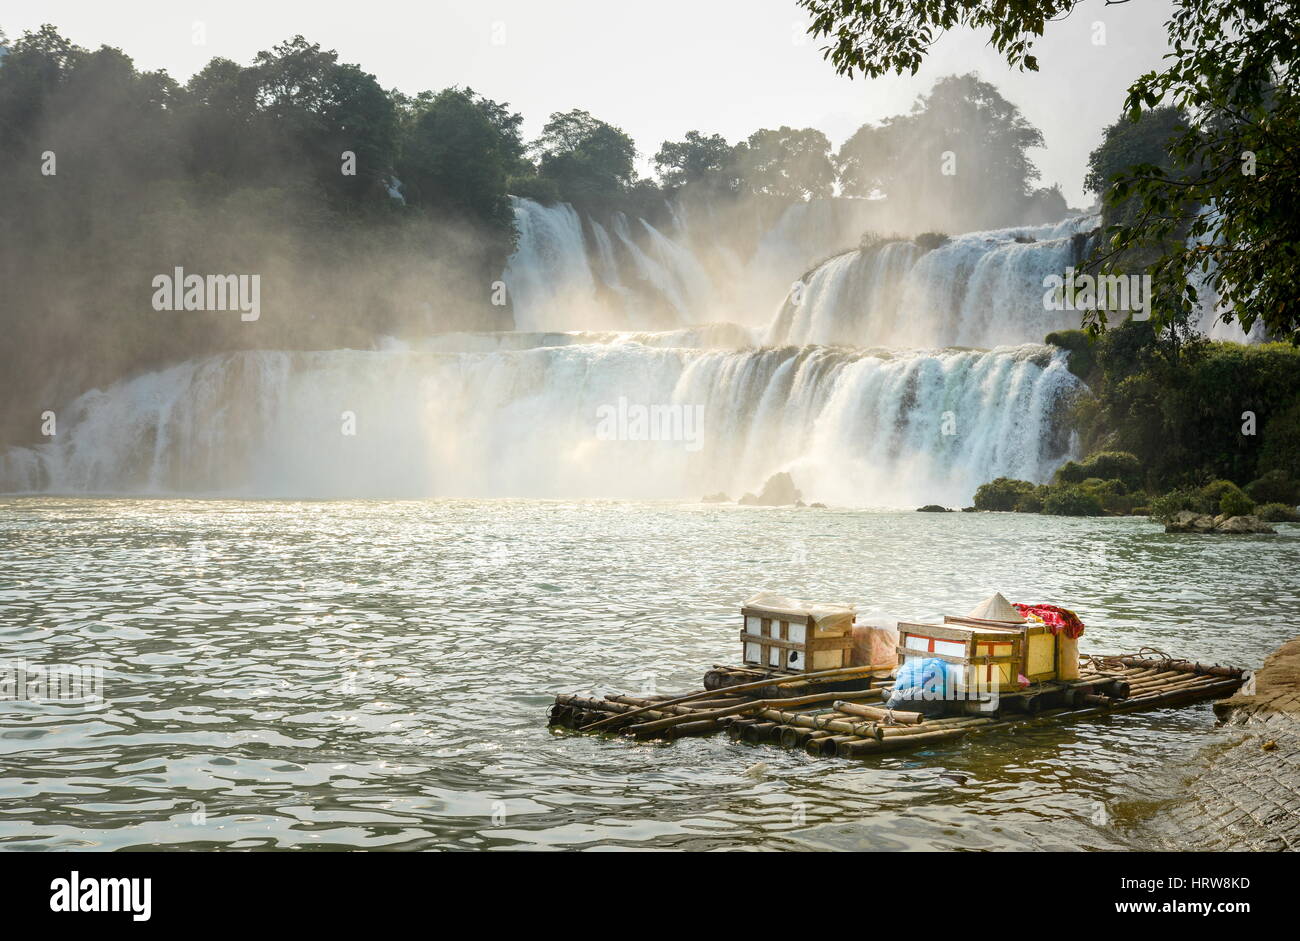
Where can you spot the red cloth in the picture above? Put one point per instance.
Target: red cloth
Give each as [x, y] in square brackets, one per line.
[1058, 619]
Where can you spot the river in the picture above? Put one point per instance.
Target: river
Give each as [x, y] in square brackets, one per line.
[371, 674]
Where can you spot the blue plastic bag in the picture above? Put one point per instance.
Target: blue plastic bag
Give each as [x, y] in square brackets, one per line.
[923, 680]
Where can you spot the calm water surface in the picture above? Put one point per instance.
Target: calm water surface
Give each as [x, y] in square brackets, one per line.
[373, 675]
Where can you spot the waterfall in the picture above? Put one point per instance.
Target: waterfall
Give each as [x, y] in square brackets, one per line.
[853, 426]
[558, 278]
[850, 388]
[548, 277]
[977, 289]
[1209, 310]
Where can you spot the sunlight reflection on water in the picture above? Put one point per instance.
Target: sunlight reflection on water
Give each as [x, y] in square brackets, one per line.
[377, 674]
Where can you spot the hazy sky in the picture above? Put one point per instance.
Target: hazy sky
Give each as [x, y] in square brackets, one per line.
[655, 69]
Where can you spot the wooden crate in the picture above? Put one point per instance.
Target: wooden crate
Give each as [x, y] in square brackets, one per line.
[1041, 648]
[789, 642]
[992, 658]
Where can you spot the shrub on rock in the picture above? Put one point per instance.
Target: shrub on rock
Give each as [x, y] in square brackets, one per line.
[1072, 501]
[1001, 494]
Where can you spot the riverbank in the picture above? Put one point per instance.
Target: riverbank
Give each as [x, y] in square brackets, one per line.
[1248, 796]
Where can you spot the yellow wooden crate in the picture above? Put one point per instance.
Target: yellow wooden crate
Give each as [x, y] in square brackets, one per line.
[1040, 649]
[792, 642]
[988, 659]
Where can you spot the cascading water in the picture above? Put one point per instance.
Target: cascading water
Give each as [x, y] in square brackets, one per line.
[548, 277]
[561, 278]
[853, 427]
[977, 289]
[517, 413]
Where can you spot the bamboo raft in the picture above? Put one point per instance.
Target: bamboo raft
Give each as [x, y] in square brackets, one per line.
[832, 712]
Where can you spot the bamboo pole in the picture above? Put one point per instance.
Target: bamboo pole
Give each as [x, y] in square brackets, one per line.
[760, 732]
[912, 731]
[877, 712]
[839, 673]
[753, 705]
[826, 745]
[826, 721]
[736, 731]
[795, 736]
[868, 746]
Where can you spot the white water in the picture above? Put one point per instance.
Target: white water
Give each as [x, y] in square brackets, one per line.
[1210, 311]
[853, 427]
[979, 289]
[617, 311]
[561, 278]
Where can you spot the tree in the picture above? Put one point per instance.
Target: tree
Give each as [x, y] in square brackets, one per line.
[589, 160]
[958, 160]
[458, 151]
[697, 160]
[312, 108]
[1126, 144]
[786, 163]
[1234, 72]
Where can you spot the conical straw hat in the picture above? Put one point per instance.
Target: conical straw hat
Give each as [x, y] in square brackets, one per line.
[997, 608]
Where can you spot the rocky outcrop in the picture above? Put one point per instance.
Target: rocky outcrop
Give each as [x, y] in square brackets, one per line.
[1248, 795]
[1190, 522]
[933, 508]
[778, 491]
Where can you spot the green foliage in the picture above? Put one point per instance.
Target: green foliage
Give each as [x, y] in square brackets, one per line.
[1278, 513]
[1179, 405]
[459, 151]
[1112, 494]
[589, 160]
[1127, 144]
[1104, 465]
[1233, 67]
[873, 38]
[1236, 503]
[1165, 507]
[1031, 502]
[929, 241]
[1275, 486]
[1280, 448]
[1001, 494]
[1223, 496]
[1072, 501]
[242, 169]
[531, 186]
[1082, 360]
[699, 160]
[788, 163]
[988, 138]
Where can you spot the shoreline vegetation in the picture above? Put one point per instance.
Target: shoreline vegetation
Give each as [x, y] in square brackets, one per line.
[1173, 425]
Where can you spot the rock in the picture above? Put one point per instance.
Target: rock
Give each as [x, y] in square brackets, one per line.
[1190, 522]
[1244, 524]
[778, 491]
[818, 506]
[969, 509]
[716, 498]
[933, 508]
[1247, 797]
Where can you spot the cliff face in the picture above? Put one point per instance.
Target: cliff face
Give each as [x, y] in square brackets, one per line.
[1248, 795]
